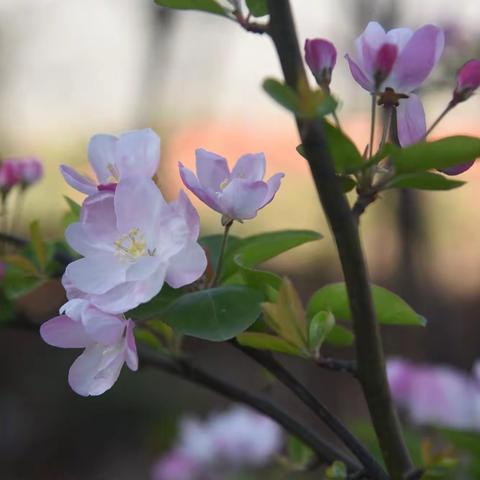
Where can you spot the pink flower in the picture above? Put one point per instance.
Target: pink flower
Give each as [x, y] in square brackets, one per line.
[30, 170]
[431, 395]
[417, 53]
[239, 194]
[177, 466]
[458, 169]
[133, 154]
[9, 175]
[132, 241]
[108, 341]
[321, 57]
[468, 80]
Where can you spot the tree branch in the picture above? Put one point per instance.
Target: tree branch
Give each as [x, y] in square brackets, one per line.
[183, 369]
[266, 360]
[369, 352]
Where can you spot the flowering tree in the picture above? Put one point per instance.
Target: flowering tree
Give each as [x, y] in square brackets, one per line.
[136, 272]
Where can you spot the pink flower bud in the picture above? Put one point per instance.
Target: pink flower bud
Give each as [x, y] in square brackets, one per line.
[9, 175]
[468, 80]
[384, 62]
[30, 170]
[321, 57]
[458, 169]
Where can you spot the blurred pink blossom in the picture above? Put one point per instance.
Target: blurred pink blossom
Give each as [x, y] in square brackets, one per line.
[417, 53]
[321, 57]
[238, 194]
[30, 170]
[468, 80]
[132, 242]
[9, 175]
[435, 395]
[108, 341]
[132, 154]
[230, 441]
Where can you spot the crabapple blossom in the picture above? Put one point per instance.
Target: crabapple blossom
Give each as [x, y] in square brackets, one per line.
[132, 154]
[468, 80]
[230, 441]
[431, 395]
[9, 175]
[132, 242]
[108, 341]
[417, 53]
[321, 56]
[238, 194]
[30, 171]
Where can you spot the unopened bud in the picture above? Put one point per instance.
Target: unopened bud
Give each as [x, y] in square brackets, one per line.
[468, 80]
[321, 57]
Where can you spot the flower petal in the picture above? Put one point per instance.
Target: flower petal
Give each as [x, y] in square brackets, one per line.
[64, 332]
[184, 208]
[250, 167]
[242, 199]
[138, 153]
[80, 242]
[77, 181]
[142, 268]
[97, 274]
[273, 185]
[96, 369]
[212, 169]
[131, 356]
[399, 37]
[417, 59]
[102, 327]
[191, 182]
[358, 75]
[101, 154]
[186, 266]
[411, 120]
[367, 45]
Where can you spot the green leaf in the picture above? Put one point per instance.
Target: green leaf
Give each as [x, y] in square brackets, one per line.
[282, 94]
[258, 8]
[336, 471]
[423, 181]
[147, 337]
[74, 207]
[38, 244]
[210, 6]
[6, 310]
[444, 153]
[345, 154]
[340, 336]
[155, 307]
[390, 308]
[16, 283]
[265, 341]
[320, 326]
[298, 453]
[215, 314]
[22, 263]
[348, 183]
[212, 245]
[257, 279]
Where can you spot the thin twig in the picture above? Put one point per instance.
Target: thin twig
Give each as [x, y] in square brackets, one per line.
[218, 269]
[347, 366]
[266, 360]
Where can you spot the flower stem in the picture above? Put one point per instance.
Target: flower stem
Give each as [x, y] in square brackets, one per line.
[372, 124]
[387, 124]
[438, 120]
[218, 270]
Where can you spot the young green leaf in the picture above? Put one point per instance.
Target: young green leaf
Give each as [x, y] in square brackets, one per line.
[22, 263]
[38, 245]
[216, 314]
[299, 454]
[444, 153]
[257, 279]
[423, 181]
[320, 326]
[210, 6]
[282, 94]
[258, 8]
[340, 336]
[346, 157]
[265, 341]
[336, 471]
[390, 308]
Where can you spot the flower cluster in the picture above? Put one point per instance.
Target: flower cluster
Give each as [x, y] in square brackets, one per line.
[21, 172]
[132, 241]
[392, 66]
[231, 441]
[436, 395]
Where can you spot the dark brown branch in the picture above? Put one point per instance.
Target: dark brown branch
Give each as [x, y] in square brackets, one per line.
[347, 366]
[369, 352]
[266, 360]
[183, 369]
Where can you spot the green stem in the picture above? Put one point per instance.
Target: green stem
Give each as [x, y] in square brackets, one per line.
[438, 120]
[368, 344]
[387, 123]
[218, 270]
[372, 124]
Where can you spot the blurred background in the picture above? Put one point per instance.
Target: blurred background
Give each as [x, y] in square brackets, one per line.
[71, 69]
